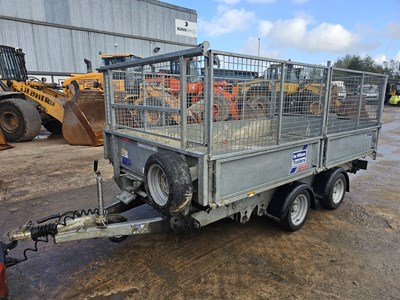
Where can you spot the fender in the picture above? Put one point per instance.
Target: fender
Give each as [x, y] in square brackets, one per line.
[324, 180]
[8, 95]
[279, 206]
[288, 194]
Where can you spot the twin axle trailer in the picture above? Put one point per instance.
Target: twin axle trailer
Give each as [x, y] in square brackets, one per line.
[203, 135]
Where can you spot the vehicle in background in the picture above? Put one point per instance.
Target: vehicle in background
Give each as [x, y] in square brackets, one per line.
[370, 92]
[232, 76]
[392, 93]
[94, 80]
[394, 100]
[341, 89]
[27, 103]
[112, 59]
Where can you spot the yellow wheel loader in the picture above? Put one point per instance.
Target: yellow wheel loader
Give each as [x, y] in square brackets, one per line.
[93, 80]
[300, 96]
[26, 105]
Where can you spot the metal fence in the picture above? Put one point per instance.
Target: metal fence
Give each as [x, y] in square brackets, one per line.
[222, 102]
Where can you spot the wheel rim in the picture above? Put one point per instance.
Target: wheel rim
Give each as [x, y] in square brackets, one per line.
[10, 121]
[220, 108]
[158, 185]
[338, 191]
[216, 110]
[299, 209]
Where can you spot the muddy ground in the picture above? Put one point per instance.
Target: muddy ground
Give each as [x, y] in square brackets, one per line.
[350, 253]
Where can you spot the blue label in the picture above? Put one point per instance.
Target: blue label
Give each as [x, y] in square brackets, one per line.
[299, 158]
[126, 161]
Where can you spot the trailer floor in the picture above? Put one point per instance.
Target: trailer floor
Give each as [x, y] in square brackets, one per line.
[350, 253]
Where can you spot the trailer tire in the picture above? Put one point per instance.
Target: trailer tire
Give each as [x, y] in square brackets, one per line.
[168, 182]
[331, 187]
[291, 204]
[20, 121]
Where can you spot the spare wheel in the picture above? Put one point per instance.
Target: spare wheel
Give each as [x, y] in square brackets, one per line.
[168, 182]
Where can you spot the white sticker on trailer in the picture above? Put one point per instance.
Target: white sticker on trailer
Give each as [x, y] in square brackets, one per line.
[299, 158]
[186, 28]
[146, 146]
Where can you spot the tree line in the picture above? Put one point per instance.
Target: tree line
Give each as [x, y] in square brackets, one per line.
[367, 64]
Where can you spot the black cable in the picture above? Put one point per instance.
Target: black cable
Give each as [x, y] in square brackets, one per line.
[43, 231]
[62, 220]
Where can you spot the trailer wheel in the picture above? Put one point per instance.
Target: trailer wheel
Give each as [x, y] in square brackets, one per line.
[168, 182]
[19, 120]
[290, 204]
[331, 187]
[296, 215]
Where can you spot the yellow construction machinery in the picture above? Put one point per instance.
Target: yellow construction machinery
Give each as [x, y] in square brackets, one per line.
[25, 105]
[301, 95]
[127, 90]
[393, 92]
[93, 80]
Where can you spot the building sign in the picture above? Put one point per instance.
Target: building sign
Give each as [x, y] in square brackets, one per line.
[185, 28]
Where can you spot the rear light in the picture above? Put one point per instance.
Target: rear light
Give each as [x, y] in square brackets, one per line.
[3, 281]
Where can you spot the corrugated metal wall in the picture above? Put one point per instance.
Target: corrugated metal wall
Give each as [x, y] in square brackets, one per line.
[56, 35]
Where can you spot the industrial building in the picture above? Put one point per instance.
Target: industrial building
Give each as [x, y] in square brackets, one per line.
[56, 35]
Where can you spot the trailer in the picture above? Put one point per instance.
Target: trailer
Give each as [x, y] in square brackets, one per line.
[208, 148]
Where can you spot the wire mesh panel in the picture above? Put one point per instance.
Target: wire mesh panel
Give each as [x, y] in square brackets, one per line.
[149, 98]
[303, 103]
[265, 102]
[372, 90]
[228, 103]
[243, 104]
[355, 100]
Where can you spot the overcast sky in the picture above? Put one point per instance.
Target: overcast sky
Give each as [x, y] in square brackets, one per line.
[312, 31]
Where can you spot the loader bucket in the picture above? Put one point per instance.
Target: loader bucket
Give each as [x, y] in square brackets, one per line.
[84, 118]
[3, 142]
